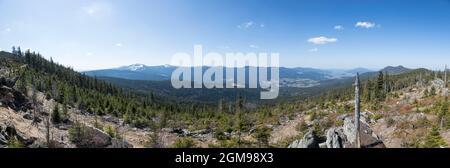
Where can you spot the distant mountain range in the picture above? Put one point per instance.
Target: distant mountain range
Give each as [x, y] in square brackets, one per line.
[294, 82]
[289, 77]
[395, 70]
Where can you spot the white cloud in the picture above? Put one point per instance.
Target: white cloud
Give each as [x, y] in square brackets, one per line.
[1, 49]
[366, 25]
[322, 40]
[98, 9]
[250, 25]
[338, 27]
[90, 11]
[7, 30]
[253, 46]
[313, 50]
[89, 54]
[246, 25]
[119, 45]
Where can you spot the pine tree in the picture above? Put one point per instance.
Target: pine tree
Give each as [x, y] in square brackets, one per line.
[56, 115]
[434, 139]
[14, 50]
[262, 135]
[432, 91]
[19, 51]
[379, 91]
[154, 141]
[443, 114]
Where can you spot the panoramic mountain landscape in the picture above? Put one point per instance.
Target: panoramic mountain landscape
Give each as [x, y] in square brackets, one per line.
[66, 108]
[308, 74]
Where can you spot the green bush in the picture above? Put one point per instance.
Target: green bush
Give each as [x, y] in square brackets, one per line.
[302, 126]
[184, 143]
[220, 135]
[14, 143]
[110, 130]
[262, 135]
[153, 141]
[377, 116]
[230, 143]
[77, 132]
[434, 139]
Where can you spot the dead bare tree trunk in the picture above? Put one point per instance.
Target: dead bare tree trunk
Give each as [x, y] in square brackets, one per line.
[420, 79]
[357, 112]
[445, 77]
[47, 128]
[446, 93]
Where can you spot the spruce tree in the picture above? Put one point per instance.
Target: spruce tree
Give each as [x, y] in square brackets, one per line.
[56, 115]
[434, 139]
[380, 93]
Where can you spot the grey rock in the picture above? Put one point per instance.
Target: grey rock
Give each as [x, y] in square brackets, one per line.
[91, 137]
[349, 129]
[28, 116]
[9, 131]
[14, 99]
[202, 131]
[310, 140]
[9, 82]
[3, 140]
[334, 140]
[111, 119]
[181, 132]
[323, 145]
[343, 137]
[118, 143]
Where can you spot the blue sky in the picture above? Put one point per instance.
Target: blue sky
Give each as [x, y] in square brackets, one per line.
[96, 34]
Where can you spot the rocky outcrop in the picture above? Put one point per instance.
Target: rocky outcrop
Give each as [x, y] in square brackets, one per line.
[9, 97]
[334, 138]
[8, 82]
[8, 133]
[343, 137]
[440, 86]
[310, 140]
[90, 137]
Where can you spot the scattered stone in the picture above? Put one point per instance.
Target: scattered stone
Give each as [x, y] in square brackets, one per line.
[111, 119]
[202, 131]
[181, 132]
